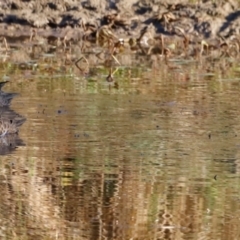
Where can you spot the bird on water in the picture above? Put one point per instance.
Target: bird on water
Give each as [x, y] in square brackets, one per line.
[5, 98]
[10, 121]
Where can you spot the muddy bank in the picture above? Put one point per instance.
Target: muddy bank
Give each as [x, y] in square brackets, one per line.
[204, 19]
[101, 30]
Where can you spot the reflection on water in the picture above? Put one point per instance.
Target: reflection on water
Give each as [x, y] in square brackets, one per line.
[156, 158]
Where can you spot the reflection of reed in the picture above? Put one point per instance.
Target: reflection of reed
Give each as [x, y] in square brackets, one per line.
[106, 189]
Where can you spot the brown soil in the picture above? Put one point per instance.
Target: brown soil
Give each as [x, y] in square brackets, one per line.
[204, 18]
[206, 24]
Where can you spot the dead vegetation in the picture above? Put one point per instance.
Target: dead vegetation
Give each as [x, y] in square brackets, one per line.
[69, 32]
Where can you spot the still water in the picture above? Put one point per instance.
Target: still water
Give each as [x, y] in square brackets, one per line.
[154, 155]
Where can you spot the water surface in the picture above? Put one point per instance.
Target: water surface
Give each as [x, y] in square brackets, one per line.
[152, 156]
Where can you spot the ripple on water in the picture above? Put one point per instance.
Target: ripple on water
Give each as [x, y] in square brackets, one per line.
[154, 158]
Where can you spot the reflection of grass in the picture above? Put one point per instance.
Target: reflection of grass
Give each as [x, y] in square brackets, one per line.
[153, 209]
[72, 170]
[126, 158]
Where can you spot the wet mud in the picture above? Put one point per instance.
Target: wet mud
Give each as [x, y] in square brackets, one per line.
[66, 22]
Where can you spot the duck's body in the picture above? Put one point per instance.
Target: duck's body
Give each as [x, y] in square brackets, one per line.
[10, 121]
[5, 98]
[2, 84]
[9, 143]
[9, 126]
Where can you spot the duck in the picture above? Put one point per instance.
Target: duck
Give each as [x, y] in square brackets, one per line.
[10, 126]
[6, 98]
[10, 143]
[10, 121]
